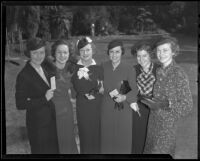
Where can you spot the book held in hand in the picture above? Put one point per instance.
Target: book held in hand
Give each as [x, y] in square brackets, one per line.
[53, 83]
[113, 93]
[89, 97]
[124, 89]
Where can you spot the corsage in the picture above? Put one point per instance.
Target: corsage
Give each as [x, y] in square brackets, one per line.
[83, 73]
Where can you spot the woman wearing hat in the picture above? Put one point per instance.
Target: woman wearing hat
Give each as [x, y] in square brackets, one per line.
[61, 52]
[34, 95]
[116, 121]
[146, 77]
[87, 83]
[171, 100]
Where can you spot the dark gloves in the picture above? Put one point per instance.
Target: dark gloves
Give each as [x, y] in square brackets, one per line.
[141, 97]
[118, 105]
[156, 103]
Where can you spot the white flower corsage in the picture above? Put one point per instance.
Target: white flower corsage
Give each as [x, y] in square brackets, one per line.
[83, 72]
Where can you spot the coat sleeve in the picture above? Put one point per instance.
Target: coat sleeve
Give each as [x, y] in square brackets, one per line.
[22, 98]
[132, 95]
[73, 92]
[101, 71]
[180, 101]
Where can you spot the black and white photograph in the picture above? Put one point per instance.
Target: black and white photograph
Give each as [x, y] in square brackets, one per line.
[107, 79]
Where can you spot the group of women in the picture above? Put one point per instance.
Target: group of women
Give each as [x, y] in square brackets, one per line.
[142, 120]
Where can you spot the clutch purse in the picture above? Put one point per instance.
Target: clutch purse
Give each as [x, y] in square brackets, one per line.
[124, 89]
[91, 94]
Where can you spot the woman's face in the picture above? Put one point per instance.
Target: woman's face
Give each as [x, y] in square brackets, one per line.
[62, 53]
[37, 56]
[143, 58]
[164, 53]
[86, 52]
[115, 54]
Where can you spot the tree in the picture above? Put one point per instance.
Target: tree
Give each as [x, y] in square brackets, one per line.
[102, 21]
[190, 14]
[60, 18]
[44, 26]
[12, 13]
[144, 20]
[29, 20]
[84, 17]
[176, 13]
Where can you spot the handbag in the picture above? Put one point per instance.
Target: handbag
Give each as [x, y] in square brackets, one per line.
[124, 89]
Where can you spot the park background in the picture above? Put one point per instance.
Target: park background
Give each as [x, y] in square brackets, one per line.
[128, 21]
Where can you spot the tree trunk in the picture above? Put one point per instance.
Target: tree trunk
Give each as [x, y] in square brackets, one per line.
[21, 46]
[7, 45]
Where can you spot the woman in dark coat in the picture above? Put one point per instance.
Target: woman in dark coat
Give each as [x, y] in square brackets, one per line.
[34, 95]
[146, 77]
[87, 80]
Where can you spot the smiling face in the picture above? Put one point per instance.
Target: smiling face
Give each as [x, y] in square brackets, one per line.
[143, 58]
[37, 56]
[164, 53]
[62, 54]
[86, 52]
[115, 54]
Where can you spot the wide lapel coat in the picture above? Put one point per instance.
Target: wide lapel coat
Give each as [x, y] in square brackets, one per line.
[40, 113]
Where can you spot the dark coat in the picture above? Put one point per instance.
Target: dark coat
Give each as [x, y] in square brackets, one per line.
[40, 113]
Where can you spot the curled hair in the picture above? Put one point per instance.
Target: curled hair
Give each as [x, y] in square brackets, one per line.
[142, 46]
[60, 42]
[173, 43]
[71, 63]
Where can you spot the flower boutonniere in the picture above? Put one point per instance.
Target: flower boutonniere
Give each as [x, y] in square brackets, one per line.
[83, 72]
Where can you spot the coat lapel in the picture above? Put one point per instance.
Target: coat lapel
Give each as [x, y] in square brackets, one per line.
[36, 77]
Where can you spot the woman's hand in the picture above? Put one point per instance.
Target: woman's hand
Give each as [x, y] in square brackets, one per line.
[120, 98]
[101, 90]
[73, 101]
[49, 94]
[135, 107]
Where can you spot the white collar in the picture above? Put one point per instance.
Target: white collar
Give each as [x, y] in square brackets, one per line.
[80, 62]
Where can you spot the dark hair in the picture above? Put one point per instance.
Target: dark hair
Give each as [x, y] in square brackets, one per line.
[57, 43]
[83, 42]
[172, 41]
[34, 44]
[144, 46]
[115, 43]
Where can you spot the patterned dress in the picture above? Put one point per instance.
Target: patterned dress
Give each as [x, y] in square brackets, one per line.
[140, 123]
[172, 83]
[88, 111]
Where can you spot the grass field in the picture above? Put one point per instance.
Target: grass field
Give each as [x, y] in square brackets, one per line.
[16, 138]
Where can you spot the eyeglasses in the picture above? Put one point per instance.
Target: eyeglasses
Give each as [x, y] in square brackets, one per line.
[86, 50]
